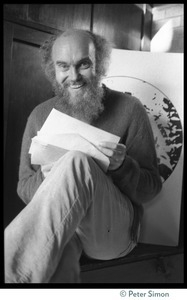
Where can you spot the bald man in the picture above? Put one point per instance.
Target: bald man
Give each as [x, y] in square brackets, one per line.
[73, 205]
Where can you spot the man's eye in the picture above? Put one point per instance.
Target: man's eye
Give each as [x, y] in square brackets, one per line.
[63, 67]
[85, 65]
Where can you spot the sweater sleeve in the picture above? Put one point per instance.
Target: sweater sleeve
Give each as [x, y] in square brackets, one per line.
[30, 176]
[138, 176]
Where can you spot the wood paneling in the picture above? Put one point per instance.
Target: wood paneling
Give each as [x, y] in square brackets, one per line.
[61, 16]
[50, 18]
[119, 23]
[18, 11]
[30, 35]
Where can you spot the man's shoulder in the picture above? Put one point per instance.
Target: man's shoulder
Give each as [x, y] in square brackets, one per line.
[126, 98]
[43, 109]
[41, 112]
[45, 106]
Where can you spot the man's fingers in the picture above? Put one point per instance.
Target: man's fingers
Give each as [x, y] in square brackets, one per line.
[108, 145]
[115, 152]
[108, 152]
[112, 149]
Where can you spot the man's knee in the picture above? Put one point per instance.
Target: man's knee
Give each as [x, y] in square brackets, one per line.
[76, 175]
[77, 161]
[75, 155]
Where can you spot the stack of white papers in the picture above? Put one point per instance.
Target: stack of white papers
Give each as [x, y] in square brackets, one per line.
[61, 133]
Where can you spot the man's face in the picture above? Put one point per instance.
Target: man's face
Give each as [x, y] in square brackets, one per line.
[76, 83]
[74, 61]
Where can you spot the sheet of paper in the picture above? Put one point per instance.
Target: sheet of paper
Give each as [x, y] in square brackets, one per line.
[43, 153]
[61, 133]
[49, 148]
[58, 123]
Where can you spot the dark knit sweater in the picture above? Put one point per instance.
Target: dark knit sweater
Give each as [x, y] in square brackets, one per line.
[125, 116]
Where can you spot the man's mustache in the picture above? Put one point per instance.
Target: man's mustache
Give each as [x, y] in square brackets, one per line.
[62, 89]
[81, 81]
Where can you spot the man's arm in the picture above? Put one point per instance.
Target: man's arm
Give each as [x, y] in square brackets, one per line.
[138, 175]
[30, 176]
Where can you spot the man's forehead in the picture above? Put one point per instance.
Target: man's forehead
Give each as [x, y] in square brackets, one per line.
[78, 42]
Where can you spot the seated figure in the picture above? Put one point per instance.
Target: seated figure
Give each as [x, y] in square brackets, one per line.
[72, 205]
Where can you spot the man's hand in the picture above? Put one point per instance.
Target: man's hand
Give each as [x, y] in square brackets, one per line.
[115, 152]
[46, 169]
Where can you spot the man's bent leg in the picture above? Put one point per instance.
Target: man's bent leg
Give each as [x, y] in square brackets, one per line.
[36, 238]
[105, 231]
[75, 196]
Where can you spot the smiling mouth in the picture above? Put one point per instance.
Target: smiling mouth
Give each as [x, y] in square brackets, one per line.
[76, 86]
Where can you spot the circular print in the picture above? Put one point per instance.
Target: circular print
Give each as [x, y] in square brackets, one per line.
[164, 119]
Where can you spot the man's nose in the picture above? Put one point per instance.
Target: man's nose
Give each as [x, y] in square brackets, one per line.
[74, 74]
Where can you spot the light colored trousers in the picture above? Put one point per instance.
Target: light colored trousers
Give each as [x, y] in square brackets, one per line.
[76, 207]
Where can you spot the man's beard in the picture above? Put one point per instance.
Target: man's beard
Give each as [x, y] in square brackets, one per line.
[86, 105]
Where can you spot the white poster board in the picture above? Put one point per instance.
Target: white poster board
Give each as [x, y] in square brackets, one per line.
[157, 80]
